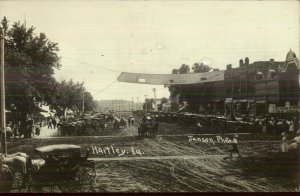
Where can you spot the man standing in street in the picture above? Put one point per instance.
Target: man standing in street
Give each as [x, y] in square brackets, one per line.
[235, 145]
[29, 127]
[54, 122]
[50, 123]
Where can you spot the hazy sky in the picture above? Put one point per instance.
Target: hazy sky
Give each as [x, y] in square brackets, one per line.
[156, 36]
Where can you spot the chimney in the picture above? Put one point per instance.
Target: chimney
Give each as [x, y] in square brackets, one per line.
[241, 62]
[272, 61]
[229, 66]
[247, 61]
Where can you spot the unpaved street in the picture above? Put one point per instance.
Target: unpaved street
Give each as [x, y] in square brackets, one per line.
[172, 162]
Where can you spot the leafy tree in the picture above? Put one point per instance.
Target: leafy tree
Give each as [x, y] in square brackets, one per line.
[200, 68]
[89, 103]
[184, 69]
[163, 100]
[69, 95]
[175, 71]
[30, 61]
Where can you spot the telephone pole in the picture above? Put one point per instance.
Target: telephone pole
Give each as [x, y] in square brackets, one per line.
[83, 103]
[2, 91]
[132, 103]
[146, 102]
[155, 107]
[137, 103]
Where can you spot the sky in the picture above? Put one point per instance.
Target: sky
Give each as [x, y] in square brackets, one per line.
[100, 39]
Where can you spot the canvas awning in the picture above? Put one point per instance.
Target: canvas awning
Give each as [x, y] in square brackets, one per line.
[260, 101]
[228, 100]
[217, 100]
[168, 79]
[243, 100]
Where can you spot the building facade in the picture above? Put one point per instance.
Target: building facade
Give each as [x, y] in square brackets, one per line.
[257, 88]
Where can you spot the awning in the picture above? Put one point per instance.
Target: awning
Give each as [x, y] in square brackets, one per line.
[228, 100]
[260, 101]
[217, 100]
[169, 79]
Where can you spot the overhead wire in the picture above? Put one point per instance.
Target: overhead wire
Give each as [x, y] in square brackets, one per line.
[105, 88]
[115, 71]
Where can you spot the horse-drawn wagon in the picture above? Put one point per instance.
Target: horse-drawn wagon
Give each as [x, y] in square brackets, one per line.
[148, 127]
[58, 168]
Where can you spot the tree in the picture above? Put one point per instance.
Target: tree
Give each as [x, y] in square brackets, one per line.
[30, 61]
[69, 95]
[184, 69]
[163, 100]
[89, 103]
[175, 71]
[200, 68]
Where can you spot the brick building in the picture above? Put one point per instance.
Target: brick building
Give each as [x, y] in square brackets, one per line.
[257, 88]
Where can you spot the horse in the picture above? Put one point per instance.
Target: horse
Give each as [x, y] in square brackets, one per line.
[6, 177]
[131, 120]
[116, 123]
[122, 123]
[18, 163]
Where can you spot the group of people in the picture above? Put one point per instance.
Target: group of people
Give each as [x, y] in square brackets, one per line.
[24, 128]
[273, 124]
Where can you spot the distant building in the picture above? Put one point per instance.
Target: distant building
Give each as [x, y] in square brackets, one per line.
[117, 105]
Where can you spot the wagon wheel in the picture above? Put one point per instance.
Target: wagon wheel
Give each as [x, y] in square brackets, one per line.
[86, 176]
[71, 182]
[18, 183]
[6, 178]
[70, 186]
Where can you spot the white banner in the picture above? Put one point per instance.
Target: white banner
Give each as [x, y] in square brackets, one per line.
[167, 79]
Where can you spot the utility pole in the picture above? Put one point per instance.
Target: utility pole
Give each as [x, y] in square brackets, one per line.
[137, 103]
[2, 91]
[155, 107]
[83, 103]
[146, 102]
[132, 103]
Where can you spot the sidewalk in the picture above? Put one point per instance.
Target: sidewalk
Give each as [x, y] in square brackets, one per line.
[45, 132]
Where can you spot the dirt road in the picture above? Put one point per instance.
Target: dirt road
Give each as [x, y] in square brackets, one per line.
[175, 163]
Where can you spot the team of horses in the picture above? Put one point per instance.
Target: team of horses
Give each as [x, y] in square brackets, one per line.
[148, 128]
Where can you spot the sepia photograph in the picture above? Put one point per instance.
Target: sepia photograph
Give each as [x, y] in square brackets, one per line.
[149, 96]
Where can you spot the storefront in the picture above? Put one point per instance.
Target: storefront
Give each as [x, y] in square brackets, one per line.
[260, 107]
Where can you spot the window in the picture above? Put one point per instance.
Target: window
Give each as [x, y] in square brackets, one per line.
[142, 80]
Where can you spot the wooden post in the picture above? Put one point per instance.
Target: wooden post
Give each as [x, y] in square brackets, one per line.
[2, 91]
[83, 103]
[155, 106]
